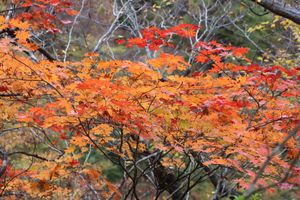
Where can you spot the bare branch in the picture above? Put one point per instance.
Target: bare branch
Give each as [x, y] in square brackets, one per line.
[28, 154]
[71, 30]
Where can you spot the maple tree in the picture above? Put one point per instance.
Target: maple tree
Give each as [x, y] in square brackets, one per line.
[166, 122]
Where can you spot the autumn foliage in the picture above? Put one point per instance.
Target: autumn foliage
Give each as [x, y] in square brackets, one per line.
[235, 120]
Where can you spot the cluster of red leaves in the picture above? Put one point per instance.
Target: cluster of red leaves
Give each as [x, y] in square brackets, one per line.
[281, 81]
[3, 88]
[9, 173]
[214, 51]
[154, 38]
[42, 14]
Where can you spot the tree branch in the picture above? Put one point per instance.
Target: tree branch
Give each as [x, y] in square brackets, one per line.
[9, 95]
[281, 9]
[28, 154]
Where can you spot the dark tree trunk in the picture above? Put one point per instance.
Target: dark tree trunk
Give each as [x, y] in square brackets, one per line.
[167, 181]
[282, 9]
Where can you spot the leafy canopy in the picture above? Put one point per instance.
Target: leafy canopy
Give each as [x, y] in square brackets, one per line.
[233, 114]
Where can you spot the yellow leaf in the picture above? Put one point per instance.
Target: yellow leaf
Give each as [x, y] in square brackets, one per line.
[70, 149]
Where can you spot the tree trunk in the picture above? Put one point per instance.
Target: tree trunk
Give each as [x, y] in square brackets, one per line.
[279, 8]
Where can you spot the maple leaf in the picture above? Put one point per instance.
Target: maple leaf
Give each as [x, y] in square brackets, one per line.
[185, 30]
[172, 62]
[120, 41]
[71, 12]
[140, 42]
[239, 51]
[202, 58]
[3, 88]
[74, 162]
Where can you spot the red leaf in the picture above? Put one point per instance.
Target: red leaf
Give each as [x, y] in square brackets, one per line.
[3, 88]
[140, 42]
[120, 41]
[201, 58]
[239, 51]
[74, 162]
[71, 12]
